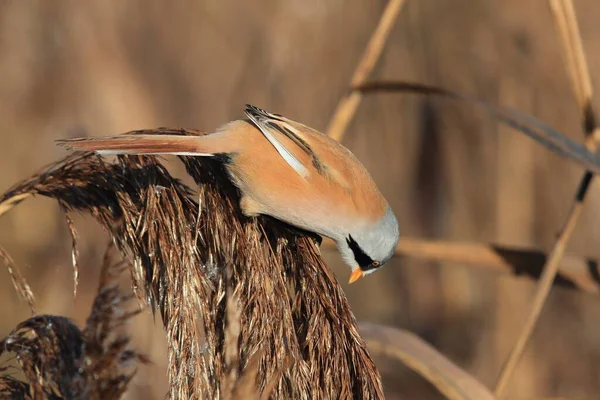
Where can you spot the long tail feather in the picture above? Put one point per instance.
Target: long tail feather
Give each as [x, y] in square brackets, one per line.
[142, 144]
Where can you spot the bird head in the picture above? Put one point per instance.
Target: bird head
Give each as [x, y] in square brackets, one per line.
[368, 248]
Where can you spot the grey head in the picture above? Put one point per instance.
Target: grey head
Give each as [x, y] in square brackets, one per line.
[367, 249]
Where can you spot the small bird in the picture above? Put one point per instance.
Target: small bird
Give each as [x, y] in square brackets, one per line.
[288, 171]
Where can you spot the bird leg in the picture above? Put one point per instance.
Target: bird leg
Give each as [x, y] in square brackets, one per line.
[301, 232]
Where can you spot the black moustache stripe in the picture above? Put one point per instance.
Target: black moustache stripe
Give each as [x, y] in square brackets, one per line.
[363, 260]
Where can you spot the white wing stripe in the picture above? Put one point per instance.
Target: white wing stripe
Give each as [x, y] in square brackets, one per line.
[281, 149]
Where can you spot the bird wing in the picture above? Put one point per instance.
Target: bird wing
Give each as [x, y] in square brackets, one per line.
[268, 123]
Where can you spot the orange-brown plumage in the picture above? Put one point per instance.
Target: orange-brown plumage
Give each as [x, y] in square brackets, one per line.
[288, 171]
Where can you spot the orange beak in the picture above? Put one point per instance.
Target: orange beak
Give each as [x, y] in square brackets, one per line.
[355, 275]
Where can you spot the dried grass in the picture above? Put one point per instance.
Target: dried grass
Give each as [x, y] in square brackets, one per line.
[563, 11]
[420, 356]
[566, 22]
[60, 361]
[18, 281]
[296, 335]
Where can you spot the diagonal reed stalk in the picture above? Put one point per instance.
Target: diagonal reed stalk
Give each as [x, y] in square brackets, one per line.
[543, 134]
[566, 23]
[420, 356]
[348, 104]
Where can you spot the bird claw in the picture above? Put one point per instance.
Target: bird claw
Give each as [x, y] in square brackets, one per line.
[301, 232]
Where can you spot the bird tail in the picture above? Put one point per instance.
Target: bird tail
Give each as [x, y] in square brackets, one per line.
[205, 145]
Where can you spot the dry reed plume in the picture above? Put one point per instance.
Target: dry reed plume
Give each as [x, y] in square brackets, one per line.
[249, 308]
[60, 361]
[295, 325]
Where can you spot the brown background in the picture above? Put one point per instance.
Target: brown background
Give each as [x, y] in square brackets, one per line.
[103, 67]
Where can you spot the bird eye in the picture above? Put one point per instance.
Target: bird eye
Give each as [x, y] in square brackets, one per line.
[375, 264]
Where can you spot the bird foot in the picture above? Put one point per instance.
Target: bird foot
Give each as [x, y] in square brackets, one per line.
[301, 232]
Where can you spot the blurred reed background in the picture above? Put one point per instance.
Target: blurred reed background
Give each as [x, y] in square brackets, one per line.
[449, 171]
